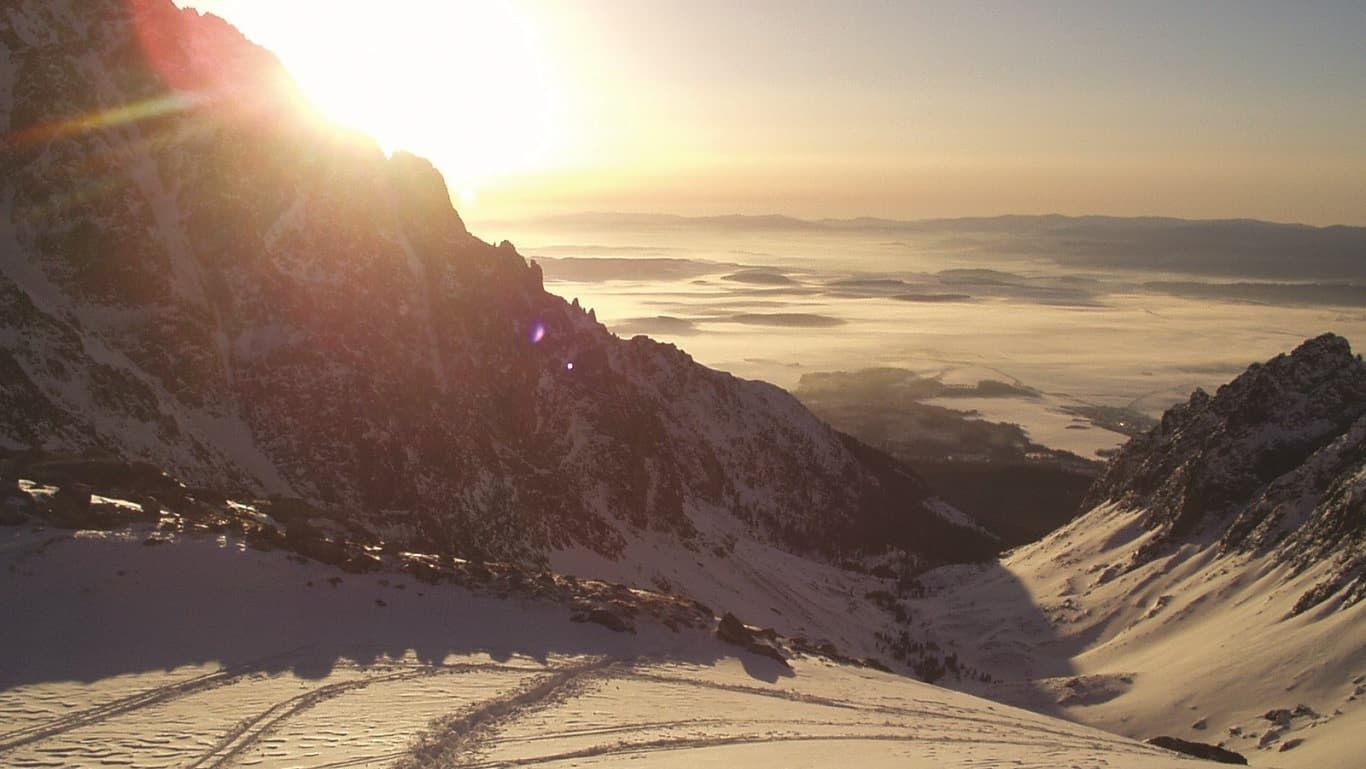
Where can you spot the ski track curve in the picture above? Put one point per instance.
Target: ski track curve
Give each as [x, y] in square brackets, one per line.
[938, 711]
[251, 730]
[461, 739]
[154, 696]
[695, 743]
[453, 740]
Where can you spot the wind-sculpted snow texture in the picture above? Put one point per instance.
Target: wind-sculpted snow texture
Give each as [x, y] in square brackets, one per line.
[1274, 462]
[197, 273]
[1213, 594]
[344, 670]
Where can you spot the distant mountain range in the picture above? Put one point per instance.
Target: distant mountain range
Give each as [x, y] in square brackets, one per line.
[1245, 248]
[226, 327]
[1003, 222]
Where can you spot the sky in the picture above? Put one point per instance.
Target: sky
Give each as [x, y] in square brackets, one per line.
[811, 108]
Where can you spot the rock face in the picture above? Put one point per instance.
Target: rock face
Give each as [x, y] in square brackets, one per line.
[1199, 750]
[731, 630]
[1273, 462]
[198, 274]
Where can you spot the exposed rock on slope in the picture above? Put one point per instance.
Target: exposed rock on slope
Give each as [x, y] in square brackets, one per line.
[196, 273]
[1214, 591]
[246, 658]
[1274, 462]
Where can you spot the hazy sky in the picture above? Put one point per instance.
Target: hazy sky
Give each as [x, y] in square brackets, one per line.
[898, 109]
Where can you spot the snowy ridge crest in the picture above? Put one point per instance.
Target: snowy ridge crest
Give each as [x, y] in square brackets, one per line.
[1273, 462]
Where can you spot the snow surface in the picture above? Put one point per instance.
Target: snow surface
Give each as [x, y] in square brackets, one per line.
[757, 582]
[203, 653]
[1195, 644]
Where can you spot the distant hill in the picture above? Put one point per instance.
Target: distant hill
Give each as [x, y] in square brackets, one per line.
[1227, 248]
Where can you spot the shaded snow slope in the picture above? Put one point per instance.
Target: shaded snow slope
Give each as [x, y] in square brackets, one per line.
[204, 653]
[812, 605]
[1192, 644]
[1213, 594]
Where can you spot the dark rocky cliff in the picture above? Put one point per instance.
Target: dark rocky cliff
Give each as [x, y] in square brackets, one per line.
[197, 273]
[1274, 461]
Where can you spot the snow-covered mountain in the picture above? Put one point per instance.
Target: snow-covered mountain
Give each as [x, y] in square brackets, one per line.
[259, 385]
[1273, 463]
[197, 273]
[1214, 591]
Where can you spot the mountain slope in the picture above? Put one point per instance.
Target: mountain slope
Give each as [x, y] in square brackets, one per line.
[1275, 462]
[203, 653]
[1214, 591]
[197, 273]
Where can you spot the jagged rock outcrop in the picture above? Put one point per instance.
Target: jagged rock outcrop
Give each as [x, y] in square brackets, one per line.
[762, 642]
[1273, 462]
[197, 273]
[1199, 750]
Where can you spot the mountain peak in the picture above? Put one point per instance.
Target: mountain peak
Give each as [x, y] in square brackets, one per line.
[1329, 344]
[424, 193]
[273, 306]
[1315, 360]
[1274, 461]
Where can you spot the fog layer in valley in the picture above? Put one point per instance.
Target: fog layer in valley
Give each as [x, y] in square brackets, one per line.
[1078, 338]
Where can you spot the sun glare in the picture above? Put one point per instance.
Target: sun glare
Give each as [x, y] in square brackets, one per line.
[465, 84]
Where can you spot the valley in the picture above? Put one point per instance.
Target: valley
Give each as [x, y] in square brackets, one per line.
[299, 470]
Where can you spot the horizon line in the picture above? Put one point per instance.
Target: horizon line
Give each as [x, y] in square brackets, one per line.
[833, 220]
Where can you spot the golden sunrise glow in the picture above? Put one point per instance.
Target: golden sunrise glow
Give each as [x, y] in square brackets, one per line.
[465, 84]
[897, 110]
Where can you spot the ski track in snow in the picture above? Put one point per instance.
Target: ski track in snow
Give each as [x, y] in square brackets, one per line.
[464, 734]
[248, 731]
[445, 679]
[821, 720]
[35, 732]
[964, 717]
[565, 694]
[252, 730]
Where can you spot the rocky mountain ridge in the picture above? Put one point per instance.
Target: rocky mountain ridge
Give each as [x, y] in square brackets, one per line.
[1212, 591]
[1273, 462]
[197, 273]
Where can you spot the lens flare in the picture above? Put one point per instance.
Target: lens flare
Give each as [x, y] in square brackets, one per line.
[200, 64]
[537, 332]
[144, 110]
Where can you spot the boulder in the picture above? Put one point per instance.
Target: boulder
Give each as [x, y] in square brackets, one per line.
[1198, 750]
[1278, 716]
[605, 617]
[763, 642]
[69, 507]
[733, 631]
[12, 513]
[361, 561]
[15, 505]
[151, 510]
[1291, 744]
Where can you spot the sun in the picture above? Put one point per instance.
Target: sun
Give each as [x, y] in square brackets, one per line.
[466, 84]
